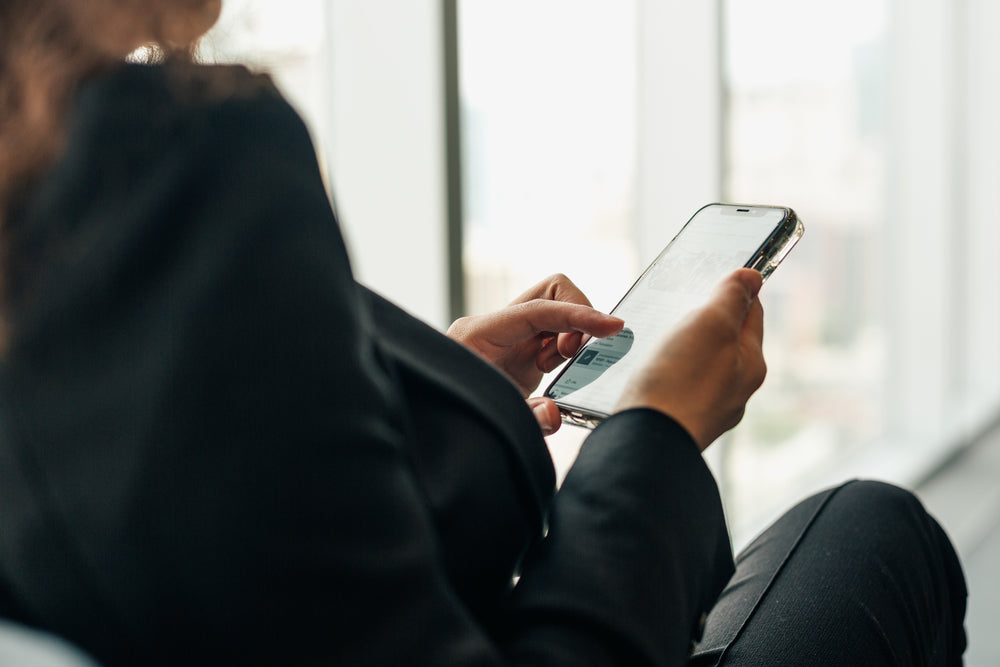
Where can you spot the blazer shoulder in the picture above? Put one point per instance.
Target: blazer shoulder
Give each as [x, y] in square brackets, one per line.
[138, 113]
[149, 150]
[174, 85]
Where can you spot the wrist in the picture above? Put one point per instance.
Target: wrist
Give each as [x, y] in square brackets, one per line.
[652, 412]
[701, 436]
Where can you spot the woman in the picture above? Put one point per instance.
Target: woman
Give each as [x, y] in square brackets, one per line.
[218, 448]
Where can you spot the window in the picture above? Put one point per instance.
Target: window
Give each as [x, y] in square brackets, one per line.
[548, 119]
[592, 130]
[806, 126]
[869, 118]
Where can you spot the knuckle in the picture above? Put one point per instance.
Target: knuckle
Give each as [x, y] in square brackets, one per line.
[528, 307]
[561, 288]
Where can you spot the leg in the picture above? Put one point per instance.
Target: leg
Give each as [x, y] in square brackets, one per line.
[857, 575]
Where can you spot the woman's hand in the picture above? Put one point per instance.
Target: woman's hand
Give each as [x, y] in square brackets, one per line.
[705, 372]
[534, 334]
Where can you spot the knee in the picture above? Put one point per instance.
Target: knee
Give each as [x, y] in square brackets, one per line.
[895, 514]
[914, 547]
[875, 498]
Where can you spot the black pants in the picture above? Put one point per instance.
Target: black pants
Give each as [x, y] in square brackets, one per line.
[856, 575]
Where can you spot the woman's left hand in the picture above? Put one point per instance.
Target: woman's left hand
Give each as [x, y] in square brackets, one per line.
[534, 334]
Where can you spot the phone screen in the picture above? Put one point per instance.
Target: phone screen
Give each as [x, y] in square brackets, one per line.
[718, 240]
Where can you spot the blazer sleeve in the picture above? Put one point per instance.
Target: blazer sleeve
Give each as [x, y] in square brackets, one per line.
[219, 444]
[636, 553]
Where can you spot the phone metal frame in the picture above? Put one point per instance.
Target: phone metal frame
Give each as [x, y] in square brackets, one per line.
[765, 260]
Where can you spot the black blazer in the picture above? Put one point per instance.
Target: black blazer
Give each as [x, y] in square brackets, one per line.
[216, 448]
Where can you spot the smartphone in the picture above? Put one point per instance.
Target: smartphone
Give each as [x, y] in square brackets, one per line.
[717, 240]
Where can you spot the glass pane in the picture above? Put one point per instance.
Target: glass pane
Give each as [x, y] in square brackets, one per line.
[548, 107]
[806, 128]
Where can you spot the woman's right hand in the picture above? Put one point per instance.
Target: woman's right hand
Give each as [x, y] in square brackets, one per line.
[708, 368]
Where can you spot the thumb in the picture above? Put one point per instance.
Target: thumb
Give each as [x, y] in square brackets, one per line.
[546, 412]
[737, 291]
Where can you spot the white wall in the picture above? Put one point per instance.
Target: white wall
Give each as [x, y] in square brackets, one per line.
[385, 146]
[942, 238]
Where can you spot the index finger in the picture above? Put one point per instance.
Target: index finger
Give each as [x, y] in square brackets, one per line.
[526, 320]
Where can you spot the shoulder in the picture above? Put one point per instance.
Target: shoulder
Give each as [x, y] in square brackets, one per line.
[173, 85]
[166, 157]
[145, 127]
[135, 107]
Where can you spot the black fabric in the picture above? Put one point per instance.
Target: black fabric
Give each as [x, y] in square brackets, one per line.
[856, 575]
[216, 448]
